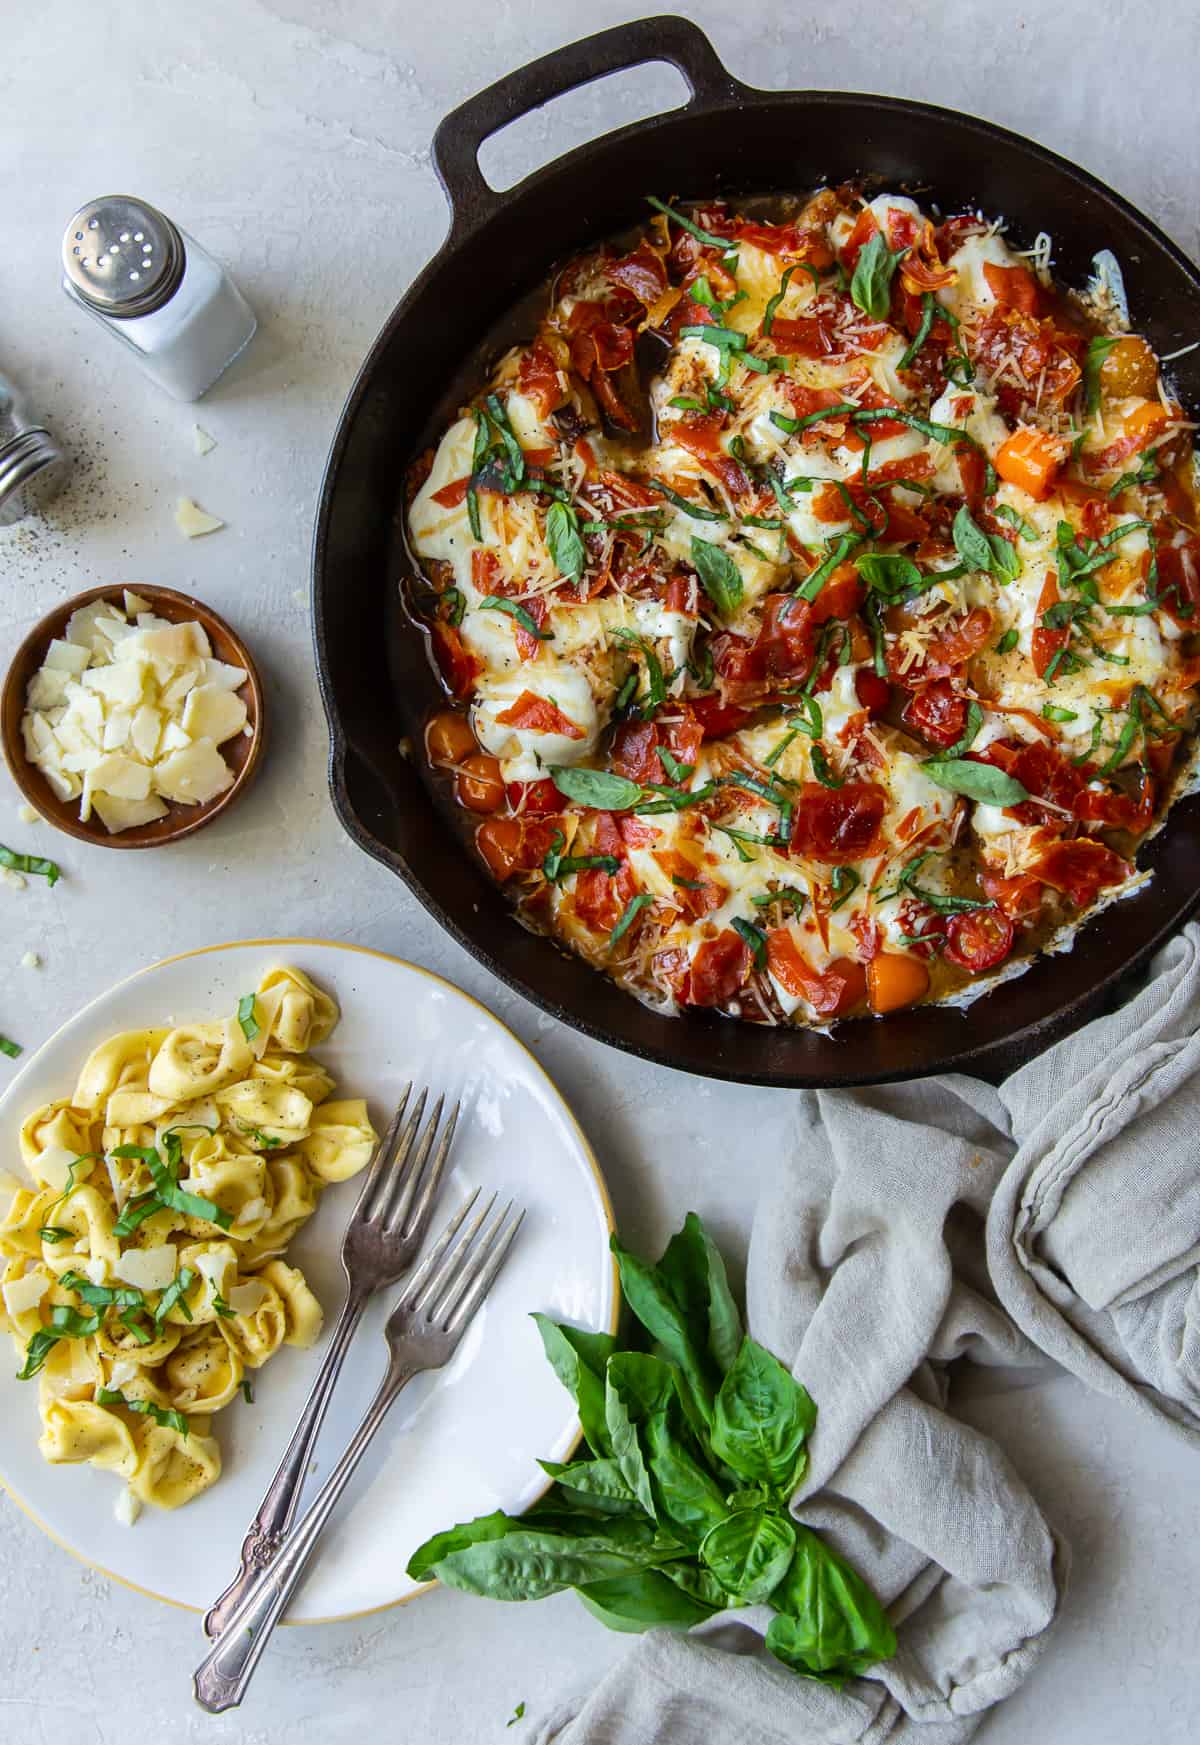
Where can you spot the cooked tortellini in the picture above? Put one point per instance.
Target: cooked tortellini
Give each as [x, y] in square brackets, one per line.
[142, 1270]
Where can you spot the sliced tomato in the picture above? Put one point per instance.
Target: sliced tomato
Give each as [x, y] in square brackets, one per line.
[937, 713]
[979, 940]
[511, 845]
[839, 825]
[457, 665]
[718, 970]
[539, 715]
[1082, 869]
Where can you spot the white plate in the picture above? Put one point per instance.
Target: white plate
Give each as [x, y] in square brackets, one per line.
[458, 1443]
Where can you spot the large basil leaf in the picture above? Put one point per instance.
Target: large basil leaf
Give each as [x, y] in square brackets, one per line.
[640, 1601]
[687, 1498]
[750, 1551]
[578, 1359]
[597, 788]
[977, 781]
[762, 1419]
[870, 288]
[595, 1484]
[830, 1624]
[529, 1564]
[680, 1335]
[719, 575]
[694, 1579]
[476, 1532]
[636, 1387]
[694, 1273]
[563, 538]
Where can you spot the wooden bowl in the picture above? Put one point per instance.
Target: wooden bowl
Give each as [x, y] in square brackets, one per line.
[242, 753]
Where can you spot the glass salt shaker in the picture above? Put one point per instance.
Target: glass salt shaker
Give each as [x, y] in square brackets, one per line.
[32, 465]
[155, 288]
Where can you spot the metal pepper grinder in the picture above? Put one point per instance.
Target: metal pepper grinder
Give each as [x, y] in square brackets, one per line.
[32, 465]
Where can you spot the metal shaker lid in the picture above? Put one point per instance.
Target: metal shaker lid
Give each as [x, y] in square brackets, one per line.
[32, 471]
[123, 256]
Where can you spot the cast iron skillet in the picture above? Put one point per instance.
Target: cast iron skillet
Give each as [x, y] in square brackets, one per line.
[375, 677]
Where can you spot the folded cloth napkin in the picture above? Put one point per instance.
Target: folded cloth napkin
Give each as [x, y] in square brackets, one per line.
[867, 1272]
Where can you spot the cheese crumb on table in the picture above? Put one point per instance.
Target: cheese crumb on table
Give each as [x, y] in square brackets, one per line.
[193, 521]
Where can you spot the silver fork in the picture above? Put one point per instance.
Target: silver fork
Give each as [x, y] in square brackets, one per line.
[423, 1331]
[385, 1232]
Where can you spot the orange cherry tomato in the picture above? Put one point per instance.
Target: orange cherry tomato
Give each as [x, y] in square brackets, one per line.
[479, 786]
[1129, 368]
[448, 738]
[894, 981]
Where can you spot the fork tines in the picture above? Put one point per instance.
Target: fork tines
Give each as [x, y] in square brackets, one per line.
[459, 1269]
[400, 1190]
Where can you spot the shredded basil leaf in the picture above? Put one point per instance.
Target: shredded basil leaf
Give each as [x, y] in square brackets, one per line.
[845, 882]
[9, 1047]
[922, 333]
[773, 303]
[246, 1018]
[754, 937]
[1098, 349]
[726, 244]
[494, 603]
[30, 863]
[822, 771]
[1008, 641]
[632, 911]
[164, 1415]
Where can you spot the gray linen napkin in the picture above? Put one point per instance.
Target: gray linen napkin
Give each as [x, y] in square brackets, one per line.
[867, 1271]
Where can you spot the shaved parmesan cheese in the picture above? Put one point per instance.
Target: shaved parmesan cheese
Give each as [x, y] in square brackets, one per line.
[194, 522]
[67, 657]
[148, 1269]
[12, 879]
[29, 815]
[212, 712]
[31, 960]
[247, 1298]
[25, 1293]
[134, 604]
[53, 1167]
[251, 1212]
[122, 1372]
[194, 775]
[127, 814]
[202, 442]
[127, 1507]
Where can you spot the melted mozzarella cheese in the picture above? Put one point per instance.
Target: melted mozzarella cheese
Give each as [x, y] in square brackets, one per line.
[523, 752]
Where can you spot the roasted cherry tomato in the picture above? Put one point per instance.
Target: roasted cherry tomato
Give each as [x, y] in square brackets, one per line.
[979, 940]
[894, 981]
[448, 738]
[512, 845]
[872, 692]
[479, 786]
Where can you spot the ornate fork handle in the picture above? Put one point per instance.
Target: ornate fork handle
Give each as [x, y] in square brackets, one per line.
[221, 1679]
[269, 1527]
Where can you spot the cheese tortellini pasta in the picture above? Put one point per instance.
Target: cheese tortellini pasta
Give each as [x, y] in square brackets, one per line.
[142, 1269]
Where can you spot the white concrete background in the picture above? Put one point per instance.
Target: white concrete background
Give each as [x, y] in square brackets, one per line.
[293, 139]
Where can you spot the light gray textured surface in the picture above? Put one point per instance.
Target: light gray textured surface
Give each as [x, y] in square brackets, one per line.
[293, 140]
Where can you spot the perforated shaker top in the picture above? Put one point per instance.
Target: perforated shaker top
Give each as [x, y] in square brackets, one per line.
[123, 256]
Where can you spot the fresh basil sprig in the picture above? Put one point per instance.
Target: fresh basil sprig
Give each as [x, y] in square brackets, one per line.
[679, 1508]
[597, 788]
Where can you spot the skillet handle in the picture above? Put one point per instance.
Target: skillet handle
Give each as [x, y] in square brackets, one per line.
[457, 141]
